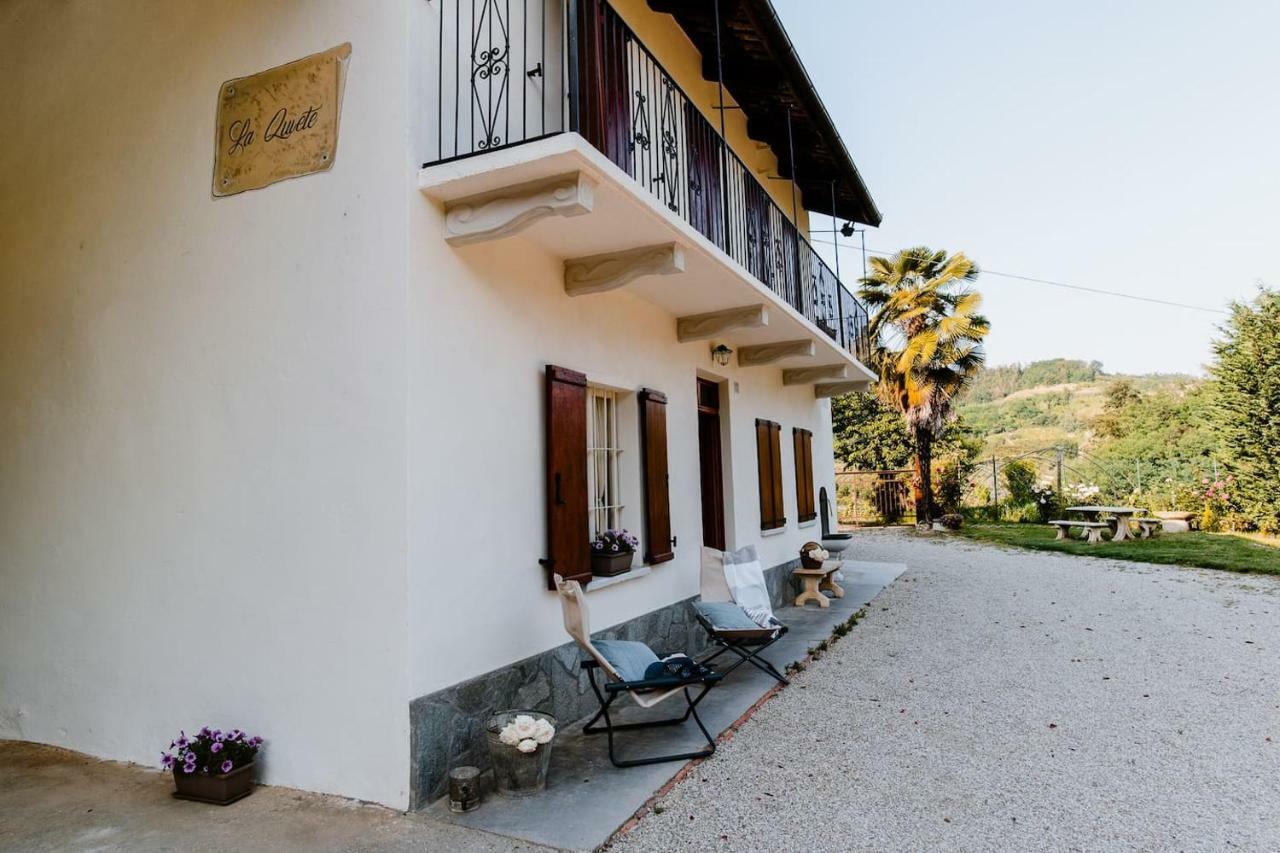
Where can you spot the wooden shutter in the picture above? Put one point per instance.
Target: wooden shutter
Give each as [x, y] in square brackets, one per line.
[568, 538]
[769, 462]
[802, 441]
[600, 93]
[658, 543]
[706, 199]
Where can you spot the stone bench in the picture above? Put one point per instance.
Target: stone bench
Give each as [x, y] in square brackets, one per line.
[1149, 527]
[1092, 528]
[1177, 522]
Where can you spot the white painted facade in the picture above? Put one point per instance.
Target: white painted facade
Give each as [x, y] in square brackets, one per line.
[276, 461]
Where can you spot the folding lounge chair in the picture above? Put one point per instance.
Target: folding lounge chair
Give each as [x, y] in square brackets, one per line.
[727, 621]
[623, 663]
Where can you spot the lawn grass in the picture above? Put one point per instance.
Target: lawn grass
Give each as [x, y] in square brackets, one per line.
[1203, 550]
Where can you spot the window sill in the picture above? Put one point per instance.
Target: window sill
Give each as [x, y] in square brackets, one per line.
[810, 523]
[605, 583]
[776, 531]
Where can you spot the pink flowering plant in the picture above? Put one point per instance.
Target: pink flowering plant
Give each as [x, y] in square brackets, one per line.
[210, 751]
[614, 542]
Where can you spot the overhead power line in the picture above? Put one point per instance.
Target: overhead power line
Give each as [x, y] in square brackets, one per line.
[1079, 287]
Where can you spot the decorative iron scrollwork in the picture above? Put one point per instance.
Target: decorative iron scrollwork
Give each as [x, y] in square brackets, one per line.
[667, 130]
[640, 121]
[489, 64]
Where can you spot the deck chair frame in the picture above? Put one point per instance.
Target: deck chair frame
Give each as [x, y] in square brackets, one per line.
[614, 689]
[646, 693]
[746, 645]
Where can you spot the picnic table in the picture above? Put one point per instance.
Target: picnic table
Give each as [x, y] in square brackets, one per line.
[1123, 514]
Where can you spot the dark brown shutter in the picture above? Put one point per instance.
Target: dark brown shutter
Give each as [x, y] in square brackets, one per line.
[600, 99]
[802, 442]
[769, 469]
[568, 539]
[706, 201]
[657, 502]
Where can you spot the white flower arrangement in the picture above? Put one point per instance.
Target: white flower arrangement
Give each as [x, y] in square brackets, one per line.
[1084, 491]
[527, 733]
[819, 554]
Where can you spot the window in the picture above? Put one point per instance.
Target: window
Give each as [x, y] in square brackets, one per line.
[586, 428]
[769, 460]
[802, 439]
[604, 503]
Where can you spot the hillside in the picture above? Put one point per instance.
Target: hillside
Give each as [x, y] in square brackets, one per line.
[1017, 409]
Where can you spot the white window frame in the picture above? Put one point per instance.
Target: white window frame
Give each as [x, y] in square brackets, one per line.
[604, 484]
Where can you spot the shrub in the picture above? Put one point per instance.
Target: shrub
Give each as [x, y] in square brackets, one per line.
[1047, 502]
[1020, 477]
[1021, 513]
[952, 520]
[948, 486]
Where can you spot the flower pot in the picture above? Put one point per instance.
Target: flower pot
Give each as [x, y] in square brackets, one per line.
[607, 564]
[220, 790]
[516, 773]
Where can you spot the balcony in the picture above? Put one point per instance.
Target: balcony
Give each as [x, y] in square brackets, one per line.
[553, 108]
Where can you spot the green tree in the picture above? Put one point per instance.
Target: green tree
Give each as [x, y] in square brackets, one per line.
[1246, 405]
[928, 345]
[869, 434]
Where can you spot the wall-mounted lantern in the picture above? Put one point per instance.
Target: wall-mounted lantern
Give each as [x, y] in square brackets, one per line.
[720, 355]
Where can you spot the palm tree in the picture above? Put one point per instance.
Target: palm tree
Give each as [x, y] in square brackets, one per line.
[927, 337]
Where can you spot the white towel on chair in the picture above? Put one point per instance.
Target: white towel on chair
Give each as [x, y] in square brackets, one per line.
[745, 577]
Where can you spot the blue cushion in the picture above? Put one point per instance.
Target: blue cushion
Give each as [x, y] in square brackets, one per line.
[628, 657]
[726, 616]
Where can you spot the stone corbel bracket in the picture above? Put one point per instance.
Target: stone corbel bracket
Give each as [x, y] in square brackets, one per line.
[838, 389]
[701, 327]
[763, 354]
[805, 375]
[507, 211]
[601, 273]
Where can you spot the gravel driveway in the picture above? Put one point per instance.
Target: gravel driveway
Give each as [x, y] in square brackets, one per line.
[1011, 700]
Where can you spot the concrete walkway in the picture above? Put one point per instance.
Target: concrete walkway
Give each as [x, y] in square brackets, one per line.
[587, 799]
[1011, 700]
[55, 800]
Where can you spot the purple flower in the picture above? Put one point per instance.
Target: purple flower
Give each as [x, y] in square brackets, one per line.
[166, 761]
[182, 742]
[217, 746]
[188, 769]
[204, 731]
[255, 741]
[227, 765]
[613, 547]
[189, 758]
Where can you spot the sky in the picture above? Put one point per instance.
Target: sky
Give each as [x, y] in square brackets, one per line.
[1127, 146]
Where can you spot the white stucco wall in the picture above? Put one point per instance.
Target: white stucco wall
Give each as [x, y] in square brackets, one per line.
[485, 320]
[202, 402]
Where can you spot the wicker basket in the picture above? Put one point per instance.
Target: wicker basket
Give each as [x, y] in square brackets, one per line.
[805, 560]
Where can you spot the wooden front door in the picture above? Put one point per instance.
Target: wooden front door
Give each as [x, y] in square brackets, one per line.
[709, 463]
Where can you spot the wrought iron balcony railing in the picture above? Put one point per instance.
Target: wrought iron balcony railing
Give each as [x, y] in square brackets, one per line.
[513, 71]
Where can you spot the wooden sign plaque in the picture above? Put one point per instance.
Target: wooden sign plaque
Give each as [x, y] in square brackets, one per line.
[280, 123]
